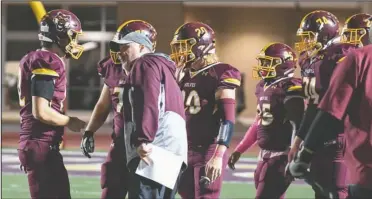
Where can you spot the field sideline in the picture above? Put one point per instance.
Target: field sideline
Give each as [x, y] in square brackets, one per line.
[84, 177]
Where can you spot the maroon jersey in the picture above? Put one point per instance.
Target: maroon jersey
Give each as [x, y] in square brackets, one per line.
[274, 130]
[114, 77]
[349, 96]
[198, 90]
[40, 62]
[316, 71]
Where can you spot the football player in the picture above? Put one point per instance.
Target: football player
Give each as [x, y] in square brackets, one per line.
[208, 88]
[321, 51]
[114, 172]
[280, 107]
[152, 107]
[347, 103]
[42, 91]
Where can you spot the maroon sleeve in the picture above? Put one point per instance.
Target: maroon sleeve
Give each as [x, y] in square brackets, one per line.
[339, 93]
[146, 80]
[230, 78]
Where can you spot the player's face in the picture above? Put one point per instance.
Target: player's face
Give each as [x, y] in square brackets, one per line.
[307, 43]
[179, 54]
[129, 52]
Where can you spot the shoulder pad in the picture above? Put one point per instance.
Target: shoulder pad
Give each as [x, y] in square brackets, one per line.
[228, 75]
[102, 66]
[44, 63]
[259, 86]
[338, 51]
[293, 85]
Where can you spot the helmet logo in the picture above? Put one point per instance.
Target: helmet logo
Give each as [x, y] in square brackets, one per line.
[288, 55]
[62, 21]
[368, 21]
[200, 31]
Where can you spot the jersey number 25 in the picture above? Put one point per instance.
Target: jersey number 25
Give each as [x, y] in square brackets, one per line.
[264, 113]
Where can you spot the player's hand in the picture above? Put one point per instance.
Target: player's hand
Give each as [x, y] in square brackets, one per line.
[87, 143]
[144, 150]
[23, 168]
[213, 169]
[75, 124]
[299, 166]
[234, 157]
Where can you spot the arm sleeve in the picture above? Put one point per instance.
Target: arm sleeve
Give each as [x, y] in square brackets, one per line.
[344, 80]
[295, 110]
[307, 119]
[227, 107]
[42, 86]
[147, 84]
[324, 126]
[249, 139]
[294, 102]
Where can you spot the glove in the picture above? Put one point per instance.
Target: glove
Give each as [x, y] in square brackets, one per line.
[87, 143]
[300, 164]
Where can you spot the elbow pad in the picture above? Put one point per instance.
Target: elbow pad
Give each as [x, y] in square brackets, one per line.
[227, 110]
[226, 132]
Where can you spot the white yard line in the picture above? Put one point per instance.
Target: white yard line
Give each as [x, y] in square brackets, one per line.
[68, 152]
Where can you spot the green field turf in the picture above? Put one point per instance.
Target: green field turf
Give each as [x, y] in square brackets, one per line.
[15, 186]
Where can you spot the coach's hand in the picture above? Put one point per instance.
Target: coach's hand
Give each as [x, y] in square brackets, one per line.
[87, 143]
[213, 169]
[143, 151]
[234, 157]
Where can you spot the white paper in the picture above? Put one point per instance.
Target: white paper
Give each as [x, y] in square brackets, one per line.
[164, 167]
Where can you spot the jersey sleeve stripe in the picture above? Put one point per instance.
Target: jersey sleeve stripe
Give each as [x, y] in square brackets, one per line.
[45, 71]
[341, 59]
[295, 88]
[291, 97]
[232, 81]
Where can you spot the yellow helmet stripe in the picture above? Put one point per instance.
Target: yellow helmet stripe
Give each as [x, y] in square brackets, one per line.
[127, 22]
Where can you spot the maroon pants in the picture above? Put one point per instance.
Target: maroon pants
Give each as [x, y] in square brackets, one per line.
[189, 184]
[47, 175]
[328, 169]
[114, 172]
[270, 178]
